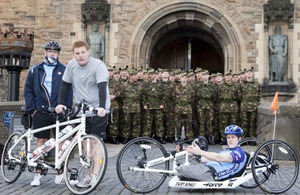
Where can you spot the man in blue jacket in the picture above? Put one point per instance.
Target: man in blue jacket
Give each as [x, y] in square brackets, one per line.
[41, 92]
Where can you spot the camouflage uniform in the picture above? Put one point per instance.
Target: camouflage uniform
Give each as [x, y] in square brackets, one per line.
[114, 89]
[153, 99]
[131, 94]
[169, 110]
[250, 100]
[205, 95]
[229, 95]
[183, 106]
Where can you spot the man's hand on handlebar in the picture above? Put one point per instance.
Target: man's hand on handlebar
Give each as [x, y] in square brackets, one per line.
[59, 108]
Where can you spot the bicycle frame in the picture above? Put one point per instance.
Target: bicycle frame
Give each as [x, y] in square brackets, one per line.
[80, 129]
[230, 183]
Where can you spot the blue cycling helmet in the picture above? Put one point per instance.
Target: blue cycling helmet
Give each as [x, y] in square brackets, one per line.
[233, 130]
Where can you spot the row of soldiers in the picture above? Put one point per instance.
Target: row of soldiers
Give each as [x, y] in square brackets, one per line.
[157, 103]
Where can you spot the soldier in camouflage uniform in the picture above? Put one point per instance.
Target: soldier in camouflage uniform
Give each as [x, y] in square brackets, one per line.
[229, 94]
[169, 108]
[236, 81]
[250, 101]
[183, 104]
[205, 95]
[217, 102]
[114, 89]
[131, 93]
[154, 101]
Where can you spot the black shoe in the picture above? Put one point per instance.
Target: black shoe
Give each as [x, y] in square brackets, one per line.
[114, 140]
[211, 140]
[161, 140]
[125, 140]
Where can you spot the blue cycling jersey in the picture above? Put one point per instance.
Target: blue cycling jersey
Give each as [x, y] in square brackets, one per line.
[227, 169]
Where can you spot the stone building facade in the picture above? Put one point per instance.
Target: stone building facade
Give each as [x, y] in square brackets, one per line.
[144, 34]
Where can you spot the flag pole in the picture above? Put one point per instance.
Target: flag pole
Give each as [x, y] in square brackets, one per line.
[274, 126]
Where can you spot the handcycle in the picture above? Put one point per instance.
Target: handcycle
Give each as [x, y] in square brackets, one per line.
[85, 154]
[143, 165]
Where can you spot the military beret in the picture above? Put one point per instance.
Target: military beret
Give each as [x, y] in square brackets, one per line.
[132, 72]
[191, 74]
[249, 69]
[228, 73]
[235, 74]
[152, 71]
[139, 69]
[191, 70]
[124, 67]
[172, 73]
[177, 71]
[198, 70]
[205, 72]
[117, 71]
[212, 75]
[219, 74]
[145, 71]
[241, 72]
[109, 68]
[183, 74]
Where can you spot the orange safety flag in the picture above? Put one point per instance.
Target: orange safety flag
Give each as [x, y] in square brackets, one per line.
[275, 103]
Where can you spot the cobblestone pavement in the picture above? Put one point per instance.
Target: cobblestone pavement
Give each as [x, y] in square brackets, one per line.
[111, 184]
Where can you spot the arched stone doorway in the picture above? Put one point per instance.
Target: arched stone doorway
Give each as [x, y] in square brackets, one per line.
[188, 22]
[187, 48]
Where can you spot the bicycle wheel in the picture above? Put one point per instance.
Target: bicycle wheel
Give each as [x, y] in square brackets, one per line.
[249, 145]
[12, 168]
[137, 153]
[84, 173]
[281, 164]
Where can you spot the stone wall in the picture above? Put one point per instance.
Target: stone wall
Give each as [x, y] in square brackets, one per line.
[15, 107]
[287, 124]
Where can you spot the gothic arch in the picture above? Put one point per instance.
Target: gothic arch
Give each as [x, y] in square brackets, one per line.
[180, 13]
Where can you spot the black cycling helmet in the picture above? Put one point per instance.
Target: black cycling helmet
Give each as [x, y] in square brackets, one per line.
[233, 130]
[53, 45]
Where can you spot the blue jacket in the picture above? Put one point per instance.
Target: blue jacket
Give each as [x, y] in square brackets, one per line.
[36, 94]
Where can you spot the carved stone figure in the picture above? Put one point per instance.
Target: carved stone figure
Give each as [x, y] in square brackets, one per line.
[96, 42]
[278, 56]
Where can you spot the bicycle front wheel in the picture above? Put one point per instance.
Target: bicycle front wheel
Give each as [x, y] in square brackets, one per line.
[279, 167]
[137, 153]
[12, 168]
[84, 173]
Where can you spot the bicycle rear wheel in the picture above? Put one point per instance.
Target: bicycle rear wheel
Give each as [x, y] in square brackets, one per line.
[12, 168]
[84, 173]
[281, 164]
[137, 153]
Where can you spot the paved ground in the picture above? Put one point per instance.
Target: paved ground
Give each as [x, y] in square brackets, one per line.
[111, 184]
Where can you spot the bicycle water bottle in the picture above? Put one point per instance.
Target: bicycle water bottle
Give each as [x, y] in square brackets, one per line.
[66, 130]
[48, 145]
[63, 148]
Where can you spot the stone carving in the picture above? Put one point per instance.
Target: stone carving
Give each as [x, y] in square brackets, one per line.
[96, 42]
[278, 56]
[93, 10]
[278, 8]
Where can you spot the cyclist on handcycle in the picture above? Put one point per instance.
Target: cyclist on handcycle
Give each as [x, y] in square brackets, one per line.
[220, 165]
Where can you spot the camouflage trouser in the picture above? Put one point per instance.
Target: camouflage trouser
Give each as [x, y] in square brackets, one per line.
[216, 121]
[131, 126]
[156, 117]
[170, 123]
[113, 128]
[227, 118]
[206, 117]
[249, 123]
[188, 125]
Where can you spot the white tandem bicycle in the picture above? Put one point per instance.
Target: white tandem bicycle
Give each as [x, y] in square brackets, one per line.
[143, 165]
[85, 154]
